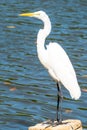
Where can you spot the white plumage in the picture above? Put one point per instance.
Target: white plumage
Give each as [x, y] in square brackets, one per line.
[54, 58]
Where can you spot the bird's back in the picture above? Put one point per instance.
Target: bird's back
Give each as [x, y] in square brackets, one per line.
[61, 66]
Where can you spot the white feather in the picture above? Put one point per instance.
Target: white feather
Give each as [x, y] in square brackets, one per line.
[54, 58]
[61, 67]
[56, 61]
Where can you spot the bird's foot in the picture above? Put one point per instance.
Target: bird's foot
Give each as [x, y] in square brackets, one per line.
[49, 122]
[52, 123]
[55, 123]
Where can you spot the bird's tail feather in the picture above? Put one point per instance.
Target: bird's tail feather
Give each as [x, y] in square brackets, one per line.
[75, 93]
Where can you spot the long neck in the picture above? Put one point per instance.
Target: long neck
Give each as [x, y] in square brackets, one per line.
[43, 33]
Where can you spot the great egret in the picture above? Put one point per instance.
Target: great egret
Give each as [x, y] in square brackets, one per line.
[54, 59]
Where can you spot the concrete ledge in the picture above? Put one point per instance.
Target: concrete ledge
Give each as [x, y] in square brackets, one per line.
[69, 124]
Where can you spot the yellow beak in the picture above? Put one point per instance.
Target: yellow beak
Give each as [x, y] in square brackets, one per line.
[27, 14]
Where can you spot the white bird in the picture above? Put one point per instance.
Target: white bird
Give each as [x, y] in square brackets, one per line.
[55, 59]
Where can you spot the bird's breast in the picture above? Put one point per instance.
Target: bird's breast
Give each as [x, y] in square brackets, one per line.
[43, 57]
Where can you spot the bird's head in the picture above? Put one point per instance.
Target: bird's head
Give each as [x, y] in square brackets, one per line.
[39, 14]
[43, 17]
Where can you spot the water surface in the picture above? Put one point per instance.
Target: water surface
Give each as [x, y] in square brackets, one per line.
[27, 92]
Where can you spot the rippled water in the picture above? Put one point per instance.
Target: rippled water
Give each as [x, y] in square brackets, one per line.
[27, 93]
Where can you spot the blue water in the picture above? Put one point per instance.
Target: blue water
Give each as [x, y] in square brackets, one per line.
[27, 92]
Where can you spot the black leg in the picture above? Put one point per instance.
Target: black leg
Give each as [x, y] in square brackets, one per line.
[59, 109]
[59, 105]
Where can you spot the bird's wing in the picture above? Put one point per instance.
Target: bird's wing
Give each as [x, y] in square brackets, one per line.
[60, 65]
